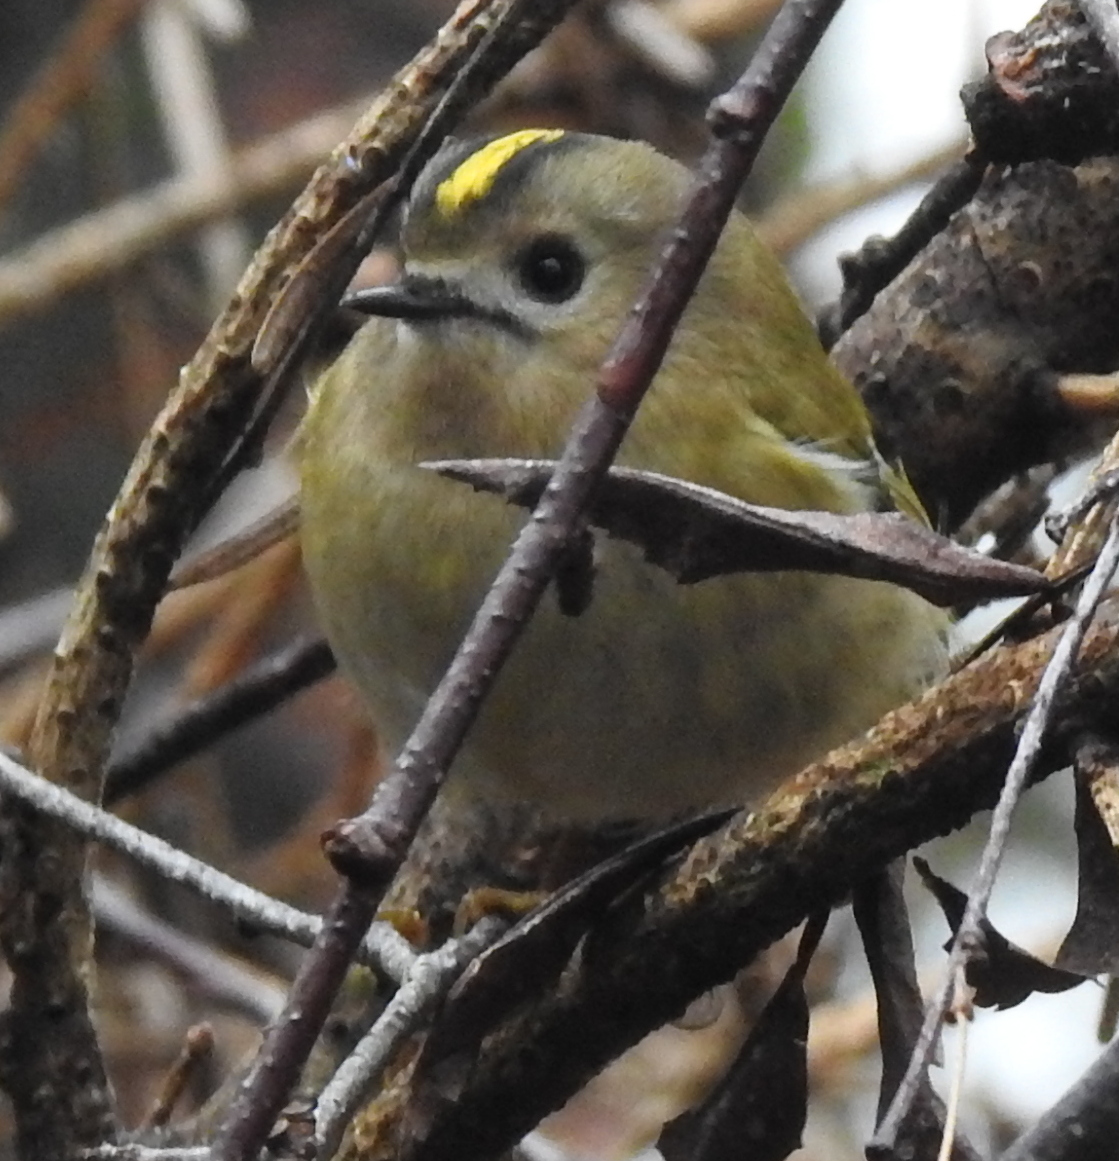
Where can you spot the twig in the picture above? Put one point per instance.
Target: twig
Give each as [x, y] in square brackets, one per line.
[1103, 16]
[371, 846]
[45, 929]
[879, 261]
[256, 691]
[184, 90]
[1083, 1125]
[1026, 756]
[952, 1111]
[58, 84]
[207, 971]
[425, 986]
[1088, 522]
[198, 1046]
[109, 240]
[239, 549]
[383, 946]
[790, 222]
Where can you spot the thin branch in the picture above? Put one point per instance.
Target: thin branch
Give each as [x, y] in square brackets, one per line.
[881, 260]
[184, 91]
[207, 971]
[198, 1047]
[1083, 1125]
[370, 847]
[789, 223]
[1037, 725]
[108, 240]
[254, 692]
[59, 83]
[424, 988]
[257, 911]
[47, 936]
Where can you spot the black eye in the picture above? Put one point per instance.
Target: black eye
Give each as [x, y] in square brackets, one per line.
[551, 269]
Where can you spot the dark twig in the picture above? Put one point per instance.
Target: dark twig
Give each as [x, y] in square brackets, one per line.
[1026, 756]
[370, 847]
[270, 1077]
[1083, 1125]
[1103, 16]
[208, 972]
[258, 690]
[881, 260]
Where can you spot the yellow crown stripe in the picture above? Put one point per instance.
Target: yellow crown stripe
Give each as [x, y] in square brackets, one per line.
[474, 178]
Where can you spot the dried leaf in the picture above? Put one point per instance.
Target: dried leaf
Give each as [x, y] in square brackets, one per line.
[1002, 974]
[530, 956]
[1091, 946]
[883, 923]
[759, 1108]
[695, 533]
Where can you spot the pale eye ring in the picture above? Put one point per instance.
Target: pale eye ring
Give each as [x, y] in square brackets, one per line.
[551, 268]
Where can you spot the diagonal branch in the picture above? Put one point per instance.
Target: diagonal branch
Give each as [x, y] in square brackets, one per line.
[45, 928]
[370, 848]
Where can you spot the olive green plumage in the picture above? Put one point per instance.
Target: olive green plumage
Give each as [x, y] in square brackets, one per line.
[521, 257]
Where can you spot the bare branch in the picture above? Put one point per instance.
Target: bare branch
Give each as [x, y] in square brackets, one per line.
[208, 972]
[1038, 724]
[371, 847]
[257, 690]
[921, 772]
[428, 981]
[385, 948]
[110, 239]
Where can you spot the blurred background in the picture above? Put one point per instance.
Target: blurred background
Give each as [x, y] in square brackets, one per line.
[145, 147]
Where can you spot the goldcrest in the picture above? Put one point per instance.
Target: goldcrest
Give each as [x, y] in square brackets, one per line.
[522, 254]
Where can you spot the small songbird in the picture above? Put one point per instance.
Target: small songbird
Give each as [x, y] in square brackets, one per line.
[521, 255]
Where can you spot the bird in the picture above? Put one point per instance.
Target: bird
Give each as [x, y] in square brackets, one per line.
[521, 254]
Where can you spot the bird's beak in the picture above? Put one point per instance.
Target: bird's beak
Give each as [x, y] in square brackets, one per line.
[411, 298]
